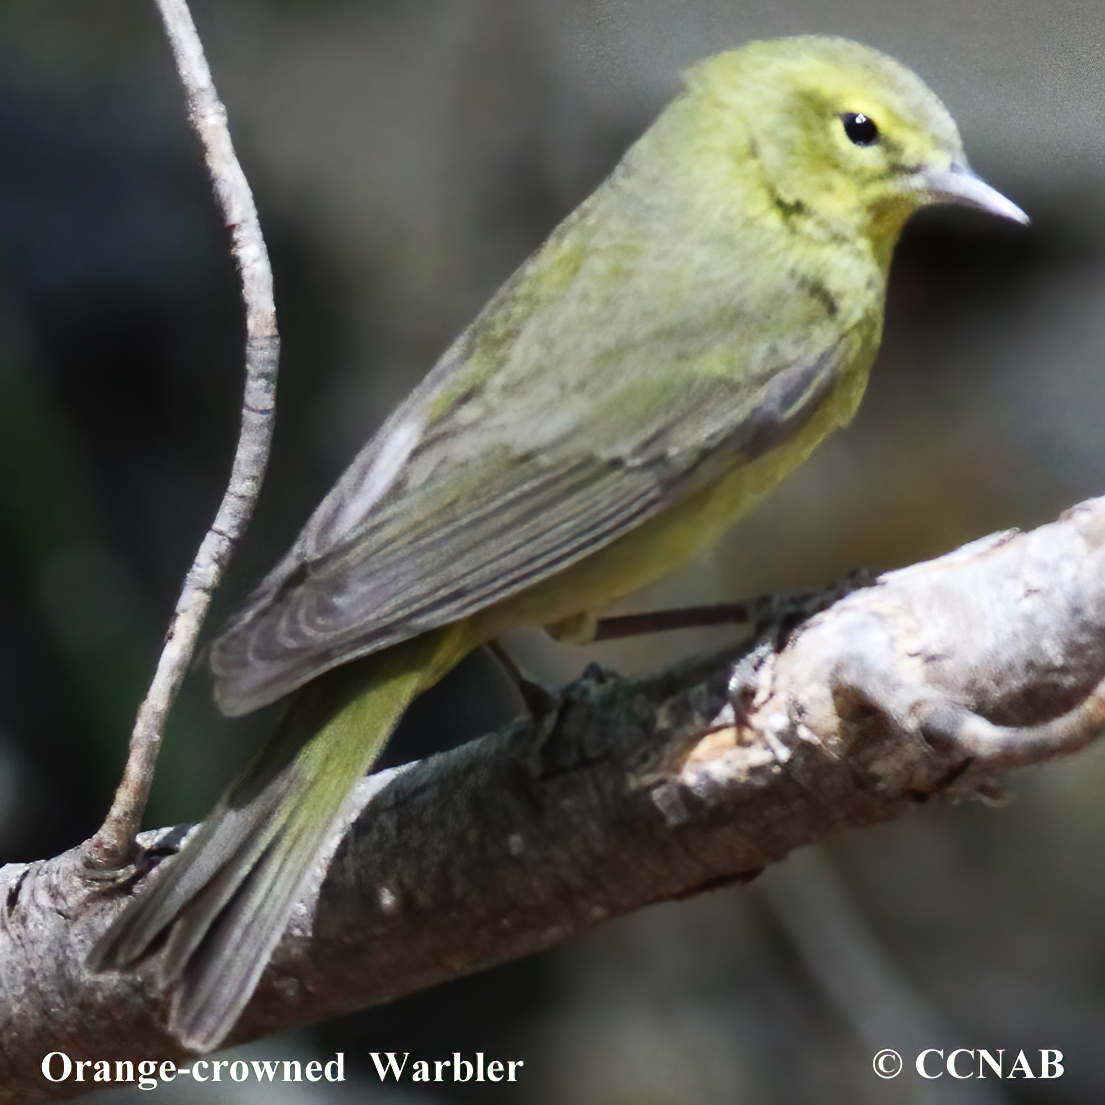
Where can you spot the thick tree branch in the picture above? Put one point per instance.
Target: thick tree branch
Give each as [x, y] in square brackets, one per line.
[113, 845]
[936, 678]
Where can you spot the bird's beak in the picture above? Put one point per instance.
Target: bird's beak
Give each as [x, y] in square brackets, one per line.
[959, 185]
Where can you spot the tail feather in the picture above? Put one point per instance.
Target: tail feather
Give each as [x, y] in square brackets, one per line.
[219, 909]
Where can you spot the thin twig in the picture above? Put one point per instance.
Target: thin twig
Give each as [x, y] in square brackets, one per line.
[113, 844]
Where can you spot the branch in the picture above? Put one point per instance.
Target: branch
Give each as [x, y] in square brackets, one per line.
[934, 679]
[113, 845]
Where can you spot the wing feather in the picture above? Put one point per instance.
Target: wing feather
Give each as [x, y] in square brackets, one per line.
[457, 530]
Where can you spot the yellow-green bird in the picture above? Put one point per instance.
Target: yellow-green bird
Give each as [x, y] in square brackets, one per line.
[680, 343]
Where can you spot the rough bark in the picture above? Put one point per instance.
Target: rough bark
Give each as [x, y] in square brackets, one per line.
[934, 679]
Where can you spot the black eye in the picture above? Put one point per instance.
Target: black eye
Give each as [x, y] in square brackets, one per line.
[860, 129]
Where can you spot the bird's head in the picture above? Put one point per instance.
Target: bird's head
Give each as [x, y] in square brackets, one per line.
[844, 136]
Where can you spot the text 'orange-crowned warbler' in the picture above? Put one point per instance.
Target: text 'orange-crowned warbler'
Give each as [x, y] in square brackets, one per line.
[680, 343]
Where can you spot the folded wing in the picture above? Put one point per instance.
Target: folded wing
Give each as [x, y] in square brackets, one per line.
[436, 521]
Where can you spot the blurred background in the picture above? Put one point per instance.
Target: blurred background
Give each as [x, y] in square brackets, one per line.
[406, 155]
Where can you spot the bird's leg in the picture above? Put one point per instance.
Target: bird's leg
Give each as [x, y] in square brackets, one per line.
[540, 702]
[761, 612]
[685, 617]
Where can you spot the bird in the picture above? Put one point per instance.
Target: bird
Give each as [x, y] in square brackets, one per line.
[677, 346]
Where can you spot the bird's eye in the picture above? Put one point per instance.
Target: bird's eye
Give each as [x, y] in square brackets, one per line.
[859, 128]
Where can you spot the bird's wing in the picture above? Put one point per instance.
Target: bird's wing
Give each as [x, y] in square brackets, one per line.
[434, 522]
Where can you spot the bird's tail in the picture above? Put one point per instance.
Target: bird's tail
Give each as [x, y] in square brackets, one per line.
[218, 910]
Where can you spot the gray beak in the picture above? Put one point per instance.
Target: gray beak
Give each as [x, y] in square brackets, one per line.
[959, 185]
